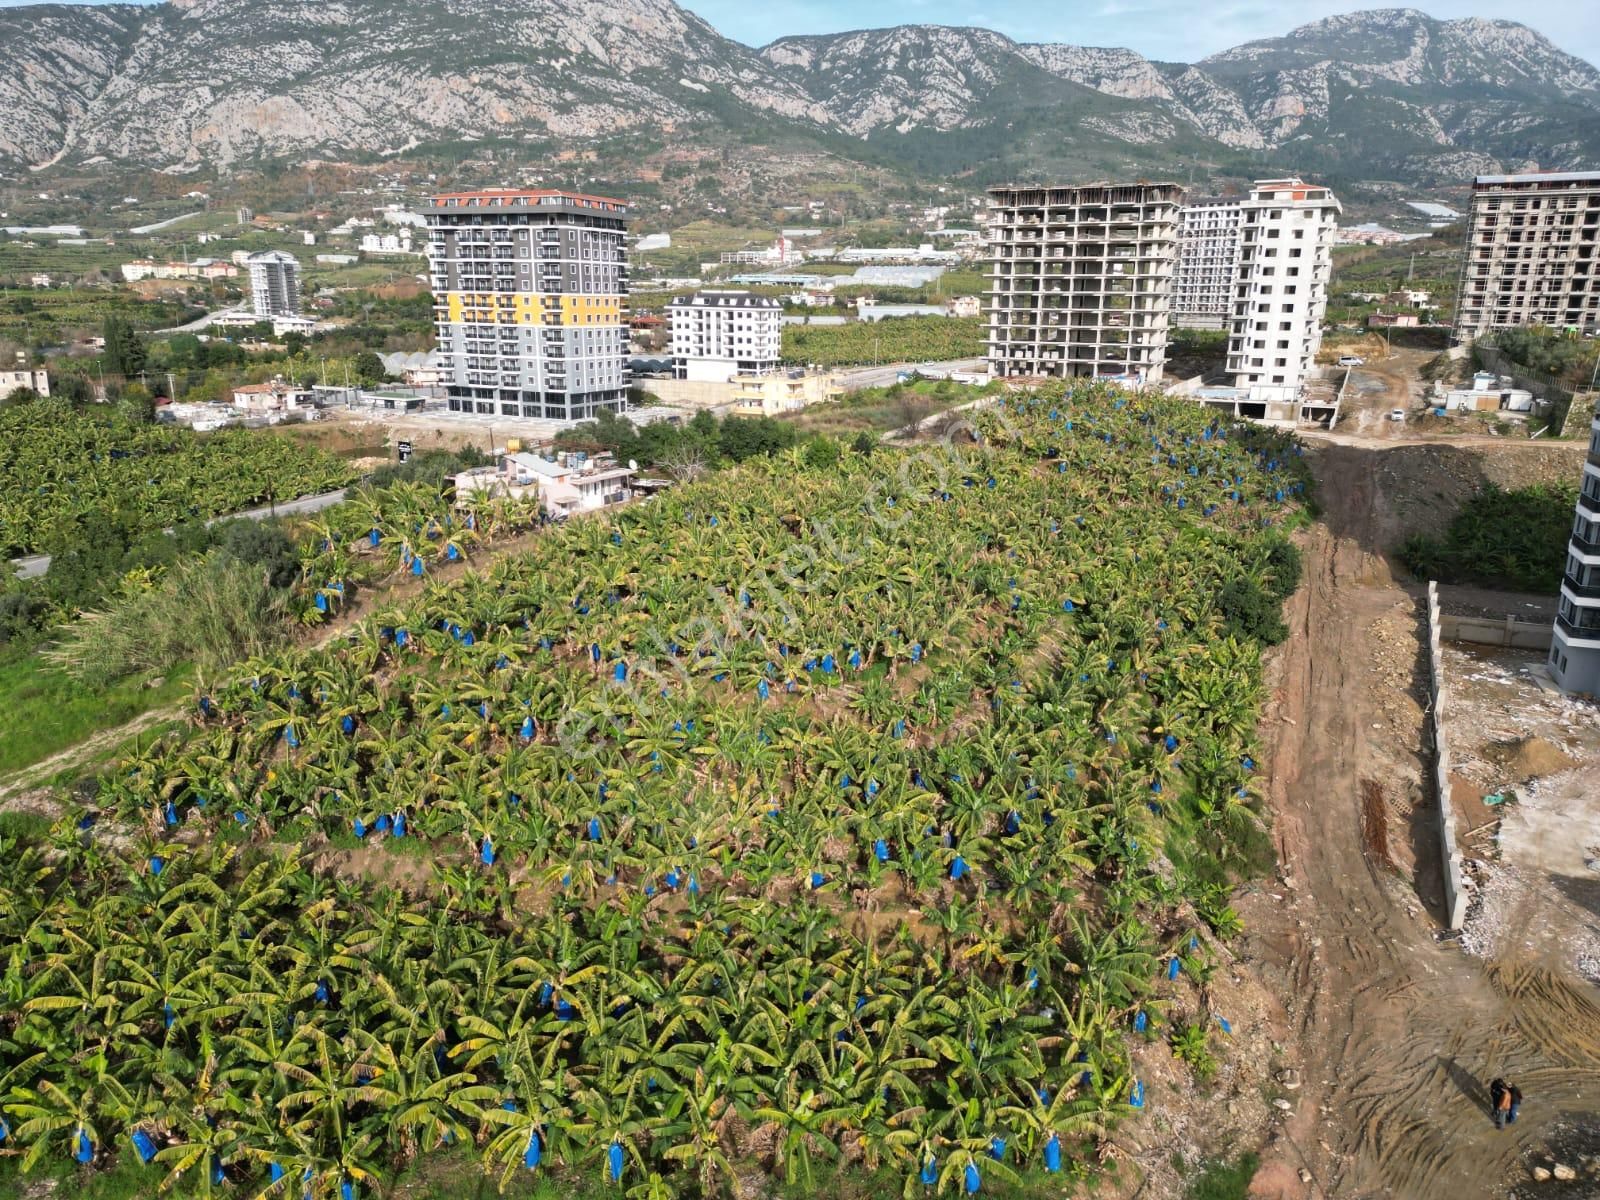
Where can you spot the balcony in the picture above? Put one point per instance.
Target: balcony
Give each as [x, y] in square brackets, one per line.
[1583, 591]
[1589, 630]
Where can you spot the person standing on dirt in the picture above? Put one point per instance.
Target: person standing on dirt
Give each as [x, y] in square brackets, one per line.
[1504, 1098]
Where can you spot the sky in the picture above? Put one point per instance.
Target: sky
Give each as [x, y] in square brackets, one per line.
[1169, 30]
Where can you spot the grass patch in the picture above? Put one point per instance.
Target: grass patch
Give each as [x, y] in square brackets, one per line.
[1222, 1180]
[46, 711]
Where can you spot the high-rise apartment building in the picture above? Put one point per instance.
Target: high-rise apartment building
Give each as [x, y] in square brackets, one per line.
[1081, 279]
[1575, 648]
[274, 284]
[530, 301]
[1532, 243]
[1280, 295]
[1208, 261]
[719, 334]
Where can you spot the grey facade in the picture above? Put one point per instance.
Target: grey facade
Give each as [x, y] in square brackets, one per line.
[274, 284]
[1532, 254]
[1575, 647]
[1081, 279]
[530, 302]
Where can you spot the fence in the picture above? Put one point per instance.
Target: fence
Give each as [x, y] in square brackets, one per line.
[1490, 357]
[1506, 632]
[1455, 900]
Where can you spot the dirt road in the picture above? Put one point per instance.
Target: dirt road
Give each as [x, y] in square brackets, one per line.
[1398, 1035]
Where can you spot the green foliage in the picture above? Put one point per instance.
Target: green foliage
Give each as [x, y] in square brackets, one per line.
[1222, 1180]
[125, 350]
[1190, 1044]
[368, 368]
[47, 711]
[901, 339]
[263, 545]
[705, 439]
[430, 468]
[821, 453]
[1250, 611]
[1023, 621]
[62, 470]
[210, 611]
[1508, 539]
[1545, 351]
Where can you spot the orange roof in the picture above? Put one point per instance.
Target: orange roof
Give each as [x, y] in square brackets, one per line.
[525, 196]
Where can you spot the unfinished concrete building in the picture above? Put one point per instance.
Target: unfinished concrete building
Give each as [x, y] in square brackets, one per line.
[1208, 261]
[1531, 255]
[1081, 279]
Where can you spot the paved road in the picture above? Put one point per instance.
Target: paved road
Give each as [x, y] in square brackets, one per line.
[199, 323]
[168, 223]
[36, 565]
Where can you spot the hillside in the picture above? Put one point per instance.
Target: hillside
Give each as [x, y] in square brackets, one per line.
[193, 84]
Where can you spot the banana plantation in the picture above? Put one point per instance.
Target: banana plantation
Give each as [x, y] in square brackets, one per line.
[798, 820]
[58, 464]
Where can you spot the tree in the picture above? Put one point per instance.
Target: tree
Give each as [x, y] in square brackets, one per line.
[136, 404]
[294, 343]
[125, 352]
[368, 368]
[822, 452]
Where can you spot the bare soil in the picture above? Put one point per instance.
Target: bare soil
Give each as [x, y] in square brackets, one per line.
[1395, 1031]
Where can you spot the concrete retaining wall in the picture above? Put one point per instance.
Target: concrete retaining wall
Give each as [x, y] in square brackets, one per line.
[1455, 900]
[690, 393]
[1508, 632]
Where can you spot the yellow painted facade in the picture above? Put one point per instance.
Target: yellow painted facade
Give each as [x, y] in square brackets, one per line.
[526, 308]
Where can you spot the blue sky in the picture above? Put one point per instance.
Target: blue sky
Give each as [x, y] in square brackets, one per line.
[1172, 30]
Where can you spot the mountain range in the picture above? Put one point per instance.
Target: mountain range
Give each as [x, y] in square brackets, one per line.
[1386, 94]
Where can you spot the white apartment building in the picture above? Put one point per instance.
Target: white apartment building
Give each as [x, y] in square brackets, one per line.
[1532, 244]
[1208, 261]
[1081, 279]
[274, 284]
[1286, 238]
[719, 334]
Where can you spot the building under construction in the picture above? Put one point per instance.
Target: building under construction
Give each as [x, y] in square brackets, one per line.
[1081, 279]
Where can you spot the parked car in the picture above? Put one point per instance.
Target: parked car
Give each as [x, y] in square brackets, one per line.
[1352, 360]
[1397, 414]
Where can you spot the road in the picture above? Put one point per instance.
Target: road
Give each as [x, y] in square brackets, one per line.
[35, 565]
[168, 223]
[199, 323]
[1395, 1032]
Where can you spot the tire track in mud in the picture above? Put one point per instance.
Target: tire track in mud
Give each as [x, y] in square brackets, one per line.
[1398, 1036]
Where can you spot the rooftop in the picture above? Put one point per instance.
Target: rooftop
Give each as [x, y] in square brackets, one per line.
[520, 197]
[1589, 177]
[725, 298]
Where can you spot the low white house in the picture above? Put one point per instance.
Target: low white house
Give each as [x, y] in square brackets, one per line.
[20, 377]
[1488, 394]
[568, 484]
[276, 396]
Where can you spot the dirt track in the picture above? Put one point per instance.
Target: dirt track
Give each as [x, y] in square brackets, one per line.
[1397, 1034]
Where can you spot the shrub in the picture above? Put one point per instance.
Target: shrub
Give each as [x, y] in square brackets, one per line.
[1249, 611]
[212, 611]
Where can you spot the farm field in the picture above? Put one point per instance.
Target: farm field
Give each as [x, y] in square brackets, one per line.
[60, 467]
[729, 830]
[901, 339]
